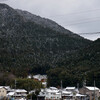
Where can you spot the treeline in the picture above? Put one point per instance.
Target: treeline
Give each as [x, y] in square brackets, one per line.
[8, 79]
[73, 76]
[74, 69]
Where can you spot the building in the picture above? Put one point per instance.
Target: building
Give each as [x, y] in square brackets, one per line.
[66, 94]
[41, 78]
[17, 94]
[7, 92]
[51, 93]
[72, 93]
[3, 92]
[91, 92]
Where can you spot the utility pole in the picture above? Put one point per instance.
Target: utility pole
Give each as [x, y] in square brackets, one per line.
[15, 84]
[15, 88]
[61, 89]
[94, 89]
[78, 86]
[84, 85]
[61, 85]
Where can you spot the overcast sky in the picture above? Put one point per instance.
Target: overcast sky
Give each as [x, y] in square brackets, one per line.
[79, 16]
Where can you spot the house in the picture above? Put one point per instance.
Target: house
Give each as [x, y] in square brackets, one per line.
[6, 87]
[68, 92]
[75, 97]
[3, 92]
[51, 93]
[41, 78]
[17, 94]
[65, 94]
[91, 92]
[72, 93]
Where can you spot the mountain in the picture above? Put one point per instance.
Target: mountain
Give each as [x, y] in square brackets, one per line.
[82, 65]
[46, 23]
[85, 59]
[33, 44]
[90, 56]
[42, 21]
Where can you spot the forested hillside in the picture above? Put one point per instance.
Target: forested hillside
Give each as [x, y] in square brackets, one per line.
[82, 65]
[30, 47]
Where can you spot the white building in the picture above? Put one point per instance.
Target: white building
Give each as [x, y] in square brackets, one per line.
[51, 93]
[72, 93]
[38, 77]
[3, 92]
[17, 94]
[41, 78]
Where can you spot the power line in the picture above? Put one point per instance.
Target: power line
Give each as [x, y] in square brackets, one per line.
[70, 24]
[91, 18]
[83, 22]
[2, 0]
[87, 11]
[90, 33]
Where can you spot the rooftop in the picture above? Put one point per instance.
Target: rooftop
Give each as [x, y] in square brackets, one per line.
[92, 88]
[70, 88]
[6, 87]
[39, 77]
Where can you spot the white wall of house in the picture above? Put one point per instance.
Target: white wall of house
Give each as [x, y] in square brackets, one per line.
[3, 92]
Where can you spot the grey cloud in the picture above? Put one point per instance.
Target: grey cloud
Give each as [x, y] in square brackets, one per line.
[63, 12]
[3, 0]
